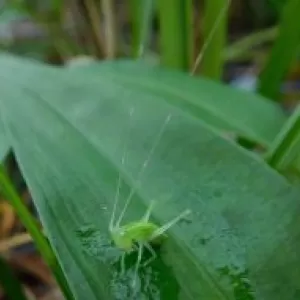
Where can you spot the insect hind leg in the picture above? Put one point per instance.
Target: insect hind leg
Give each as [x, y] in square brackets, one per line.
[168, 225]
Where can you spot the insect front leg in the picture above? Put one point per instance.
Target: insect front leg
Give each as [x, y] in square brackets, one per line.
[153, 254]
[123, 263]
[138, 262]
[123, 267]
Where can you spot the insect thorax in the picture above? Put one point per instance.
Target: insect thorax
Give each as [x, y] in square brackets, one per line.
[140, 232]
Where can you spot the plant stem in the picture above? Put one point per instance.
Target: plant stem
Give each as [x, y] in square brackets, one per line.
[141, 12]
[283, 52]
[31, 225]
[110, 28]
[214, 34]
[176, 33]
[94, 16]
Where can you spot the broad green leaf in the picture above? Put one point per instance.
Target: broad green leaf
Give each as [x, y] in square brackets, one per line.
[68, 131]
[221, 107]
[227, 109]
[4, 145]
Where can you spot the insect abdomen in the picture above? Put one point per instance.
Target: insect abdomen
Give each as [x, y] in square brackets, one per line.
[141, 231]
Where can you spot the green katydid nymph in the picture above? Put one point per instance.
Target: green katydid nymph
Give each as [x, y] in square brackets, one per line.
[142, 233]
[139, 234]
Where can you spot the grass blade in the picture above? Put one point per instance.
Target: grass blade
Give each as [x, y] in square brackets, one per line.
[286, 147]
[241, 49]
[10, 283]
[283, 53]
[30, 224]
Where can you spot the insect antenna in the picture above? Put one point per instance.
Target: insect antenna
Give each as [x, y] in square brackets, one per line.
[147, 214]
[117, 196]
[145, 164]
